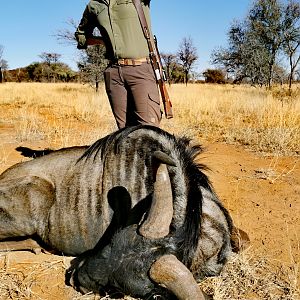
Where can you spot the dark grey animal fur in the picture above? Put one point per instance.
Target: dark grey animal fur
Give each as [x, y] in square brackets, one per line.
[89, 201]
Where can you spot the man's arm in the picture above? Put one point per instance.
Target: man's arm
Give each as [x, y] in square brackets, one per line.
[85, 29]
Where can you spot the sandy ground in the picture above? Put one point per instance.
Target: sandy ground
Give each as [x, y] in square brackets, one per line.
[262, 194]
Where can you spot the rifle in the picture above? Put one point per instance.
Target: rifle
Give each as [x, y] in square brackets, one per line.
[94, 40]
[155, 61]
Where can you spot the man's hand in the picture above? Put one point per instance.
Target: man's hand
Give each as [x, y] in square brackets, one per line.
[81, 40]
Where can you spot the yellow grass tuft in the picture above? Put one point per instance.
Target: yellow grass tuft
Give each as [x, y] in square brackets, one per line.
[248, 276]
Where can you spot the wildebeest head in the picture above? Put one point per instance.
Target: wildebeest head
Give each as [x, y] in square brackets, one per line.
[184, 235]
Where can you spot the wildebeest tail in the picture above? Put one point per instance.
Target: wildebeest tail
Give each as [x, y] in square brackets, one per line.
[27, 152]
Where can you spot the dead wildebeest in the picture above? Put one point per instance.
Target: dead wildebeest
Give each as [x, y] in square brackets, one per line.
[135, 207]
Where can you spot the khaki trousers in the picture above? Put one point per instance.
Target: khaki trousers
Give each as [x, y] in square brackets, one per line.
[133, 94]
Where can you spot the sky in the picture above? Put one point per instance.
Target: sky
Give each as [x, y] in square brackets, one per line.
[28, 27]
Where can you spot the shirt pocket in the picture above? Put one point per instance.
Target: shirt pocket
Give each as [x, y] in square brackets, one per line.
[125, 9]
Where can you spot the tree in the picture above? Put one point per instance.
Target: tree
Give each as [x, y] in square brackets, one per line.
[50, 58]
[291, 43]
[3, 64]
[66, 35]
[92, 65]
[169, 62]
[50, 61]
[256, 43]
[234, 59]
[187, 56]
[91, 61]
[60, 71]
[265, 24]
[214, 76]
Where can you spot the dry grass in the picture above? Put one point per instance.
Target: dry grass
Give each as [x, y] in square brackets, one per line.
[246, 277]
[263, 121]
[22, 280]
[256, 118]
[52, 112]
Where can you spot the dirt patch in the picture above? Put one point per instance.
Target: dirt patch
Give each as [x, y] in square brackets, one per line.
[262, 194]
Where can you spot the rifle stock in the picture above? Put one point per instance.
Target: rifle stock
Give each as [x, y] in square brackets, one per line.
[166, 100]
[94, 40]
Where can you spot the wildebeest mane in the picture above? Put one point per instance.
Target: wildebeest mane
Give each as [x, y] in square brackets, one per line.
[188, 235]
[102, 145]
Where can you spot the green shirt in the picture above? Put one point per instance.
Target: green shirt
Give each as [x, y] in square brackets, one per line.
[119, 26]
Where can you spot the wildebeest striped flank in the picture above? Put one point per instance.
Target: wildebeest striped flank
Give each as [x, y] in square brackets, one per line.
[131, 205]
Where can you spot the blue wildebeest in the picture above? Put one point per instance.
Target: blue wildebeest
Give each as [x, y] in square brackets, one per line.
[135, 207]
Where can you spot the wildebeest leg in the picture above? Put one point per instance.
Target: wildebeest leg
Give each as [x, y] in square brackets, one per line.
[27, 244]
[24, 207]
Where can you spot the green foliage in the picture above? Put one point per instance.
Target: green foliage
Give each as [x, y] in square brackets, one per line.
[214, 76]
[256, 43]
[42, 72]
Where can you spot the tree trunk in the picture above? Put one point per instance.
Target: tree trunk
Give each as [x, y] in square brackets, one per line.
[291, 75]
[1, 75]
[97, 86]
[186, 78]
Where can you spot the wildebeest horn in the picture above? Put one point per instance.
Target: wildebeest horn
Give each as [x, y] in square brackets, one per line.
[157, 224]
[172, 274]
[164, 158]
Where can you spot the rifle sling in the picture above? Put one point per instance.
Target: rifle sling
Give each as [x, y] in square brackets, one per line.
[153, 52]
[142, 18]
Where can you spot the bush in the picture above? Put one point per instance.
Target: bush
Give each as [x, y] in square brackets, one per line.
[214, 76]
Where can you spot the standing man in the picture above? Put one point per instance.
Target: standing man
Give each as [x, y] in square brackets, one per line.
[129, 78]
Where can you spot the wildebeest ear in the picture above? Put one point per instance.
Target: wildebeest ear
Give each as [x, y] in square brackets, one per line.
[239, 240]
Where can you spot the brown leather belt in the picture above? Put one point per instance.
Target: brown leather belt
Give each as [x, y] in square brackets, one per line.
[131, 61]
